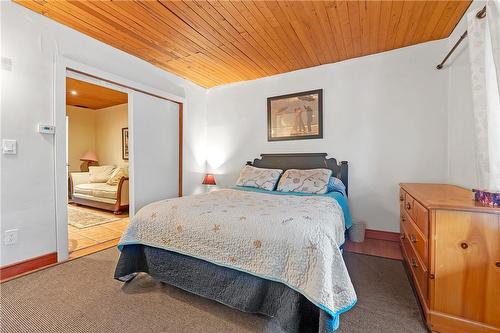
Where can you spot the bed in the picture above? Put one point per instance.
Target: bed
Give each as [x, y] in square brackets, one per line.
[264, 252]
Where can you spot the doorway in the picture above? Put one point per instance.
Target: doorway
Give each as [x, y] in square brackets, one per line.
[97, 162]
[154, 135]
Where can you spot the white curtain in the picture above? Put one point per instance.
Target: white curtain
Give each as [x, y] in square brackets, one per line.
[484, 52]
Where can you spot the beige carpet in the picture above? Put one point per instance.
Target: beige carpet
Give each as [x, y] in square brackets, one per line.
[84, 218]
[81, 296]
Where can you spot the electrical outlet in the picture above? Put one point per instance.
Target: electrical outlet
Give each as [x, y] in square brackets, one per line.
[10, 236]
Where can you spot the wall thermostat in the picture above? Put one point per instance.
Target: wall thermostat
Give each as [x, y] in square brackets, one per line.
[46, 129]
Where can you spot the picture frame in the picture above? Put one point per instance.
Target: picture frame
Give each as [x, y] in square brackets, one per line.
[125, 143]
[296, 116]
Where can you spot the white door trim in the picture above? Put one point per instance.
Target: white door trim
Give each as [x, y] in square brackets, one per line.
[62, 69]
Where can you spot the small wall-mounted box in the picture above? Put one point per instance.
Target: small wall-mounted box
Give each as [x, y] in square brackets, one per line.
[9, 147]
[46, 129]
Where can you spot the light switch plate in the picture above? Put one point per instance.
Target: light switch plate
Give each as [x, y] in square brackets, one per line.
[9, 147]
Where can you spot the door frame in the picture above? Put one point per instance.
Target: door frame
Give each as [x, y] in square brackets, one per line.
[64, 68]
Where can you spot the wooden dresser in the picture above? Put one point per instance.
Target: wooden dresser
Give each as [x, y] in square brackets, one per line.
[451, 246]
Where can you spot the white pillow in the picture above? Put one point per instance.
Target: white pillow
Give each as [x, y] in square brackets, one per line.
[117, 174]
[305, 181]
[259, 177]
[100, 174]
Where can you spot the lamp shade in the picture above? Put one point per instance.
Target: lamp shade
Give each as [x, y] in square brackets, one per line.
[89, 156]
[209, 179]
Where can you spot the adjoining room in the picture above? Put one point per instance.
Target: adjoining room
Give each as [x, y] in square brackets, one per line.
[97, 153]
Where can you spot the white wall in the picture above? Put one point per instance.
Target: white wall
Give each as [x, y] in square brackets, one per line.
[81, 134]
[195, 134]
[155, 153]
[386, 114]
[32, 42]
[461, 149]
[108, 134]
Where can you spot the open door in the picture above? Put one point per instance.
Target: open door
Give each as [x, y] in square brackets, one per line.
[155, 154]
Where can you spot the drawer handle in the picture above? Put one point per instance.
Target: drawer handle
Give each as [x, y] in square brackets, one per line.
[464, 245]
[497, 264]
[413, 238]
[414, 263]
[403, 219]
[408, 206]
[401, 198]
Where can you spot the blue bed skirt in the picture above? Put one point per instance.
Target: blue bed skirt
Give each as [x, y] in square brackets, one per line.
[236, 289]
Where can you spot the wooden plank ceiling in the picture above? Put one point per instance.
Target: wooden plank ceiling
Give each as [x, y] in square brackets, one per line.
[218, 42]
[88, 95]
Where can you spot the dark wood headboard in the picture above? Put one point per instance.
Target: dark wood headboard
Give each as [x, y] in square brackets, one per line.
[303, 161]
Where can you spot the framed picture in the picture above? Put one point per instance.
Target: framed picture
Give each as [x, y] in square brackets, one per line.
[125, 143]
[295, 116]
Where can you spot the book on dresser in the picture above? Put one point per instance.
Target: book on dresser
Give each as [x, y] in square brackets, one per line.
[451, 246]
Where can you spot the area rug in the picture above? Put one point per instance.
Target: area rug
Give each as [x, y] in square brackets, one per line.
[82, 296]
[83, 218]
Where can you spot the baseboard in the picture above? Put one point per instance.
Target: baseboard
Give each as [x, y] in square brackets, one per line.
[9, 271]
[442, 322]
[383, 235]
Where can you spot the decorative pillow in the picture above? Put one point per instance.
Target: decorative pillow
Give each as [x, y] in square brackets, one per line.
[258, 177]
[335, 184]
[100, 174]
[305, 181]
[117, 174]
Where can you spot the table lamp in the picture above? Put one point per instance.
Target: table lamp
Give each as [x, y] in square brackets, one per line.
[88, 159]
[209, 179]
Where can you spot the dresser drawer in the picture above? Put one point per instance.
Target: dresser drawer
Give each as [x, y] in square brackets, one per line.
[402, 195]
[419, 272]
[409, 205]
[421, 218]
[405, 221]
[417, 239]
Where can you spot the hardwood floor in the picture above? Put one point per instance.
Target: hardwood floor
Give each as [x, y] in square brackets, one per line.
[376, 247]
[83, 241]
[93, 249]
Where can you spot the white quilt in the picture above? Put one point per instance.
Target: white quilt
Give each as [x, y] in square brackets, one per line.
[290, 239]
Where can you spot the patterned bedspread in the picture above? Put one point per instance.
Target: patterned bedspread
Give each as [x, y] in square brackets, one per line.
[290, 239]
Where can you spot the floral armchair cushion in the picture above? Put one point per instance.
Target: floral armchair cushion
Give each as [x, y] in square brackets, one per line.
[305, 181]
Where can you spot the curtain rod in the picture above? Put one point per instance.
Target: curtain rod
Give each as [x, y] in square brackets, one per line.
[480, 14]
